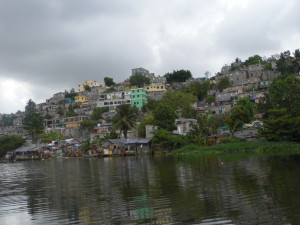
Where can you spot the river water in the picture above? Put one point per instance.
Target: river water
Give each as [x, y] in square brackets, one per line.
[142, 190]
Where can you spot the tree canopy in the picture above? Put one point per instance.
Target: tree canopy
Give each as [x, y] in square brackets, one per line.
[164, 117]
[223, 83]
[125, 119]
[109, 81]
[198, 89]
[178, 76]
[139, 80]
[282, 120]
[252, 60]
[97, 113]
[7, 120]
[205, 126]
[285, 93]
[182, 102]
[10, 143]
[242, 113]
[33, 121]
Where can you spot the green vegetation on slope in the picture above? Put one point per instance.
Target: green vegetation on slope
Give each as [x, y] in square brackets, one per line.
[249, 147]
[10, 143]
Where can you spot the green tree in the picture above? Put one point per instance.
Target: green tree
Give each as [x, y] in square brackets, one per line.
[281, 126]
[150, 105]
[52, 136]
[87, 125]
[167, 141]
[242, 113]
[98, 112]
[210, 99]
[87, 87]
[252, 60]
[71, 112]
[10, 143]
[164, 117]
[282, 120]
[60, 111]
[70, 95]
[198, 89]
[178, 76]
[48, 116]
[139, 80]
[125, 119]
[223, 83]
[109, 81]
[7, 120]
[205, 126]
[33, 121]
[181, 102]
[285, 93]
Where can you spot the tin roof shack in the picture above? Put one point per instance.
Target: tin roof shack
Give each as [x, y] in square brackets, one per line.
[27, 152]
[101, 130]
[184, 125]
[137, 146]
[113, 147]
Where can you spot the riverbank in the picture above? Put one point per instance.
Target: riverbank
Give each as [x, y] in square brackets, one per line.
[238, 147]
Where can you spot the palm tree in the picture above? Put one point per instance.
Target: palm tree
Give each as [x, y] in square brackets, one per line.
[125, 119]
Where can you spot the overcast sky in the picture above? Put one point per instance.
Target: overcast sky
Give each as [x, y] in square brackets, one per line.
[48, 46]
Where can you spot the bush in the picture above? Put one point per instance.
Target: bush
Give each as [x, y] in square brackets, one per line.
[232, 140]
[10, 143]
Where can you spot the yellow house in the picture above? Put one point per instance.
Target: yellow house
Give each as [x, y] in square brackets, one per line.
[81, 99]
[75, 121]
[156, 87]
[89, 83]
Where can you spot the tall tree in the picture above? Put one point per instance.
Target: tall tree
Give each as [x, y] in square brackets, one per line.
[280, 126]
[164, 117]
[181, 102]
[285, 93]
[33, 121]
[97, 113]
[109, 81]
[206, 126]
[242, 113]
[282, 120]
[125, 119]
[223, 83]
[198, 89]
[139, 80]
[10, 143]
[178, 76]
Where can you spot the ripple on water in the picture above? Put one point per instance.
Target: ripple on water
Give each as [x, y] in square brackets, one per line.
[150, 191]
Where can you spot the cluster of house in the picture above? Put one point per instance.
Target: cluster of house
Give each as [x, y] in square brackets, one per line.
[74, 148]
[248, 81]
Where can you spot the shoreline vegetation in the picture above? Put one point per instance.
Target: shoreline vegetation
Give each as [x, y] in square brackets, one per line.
[240, 147]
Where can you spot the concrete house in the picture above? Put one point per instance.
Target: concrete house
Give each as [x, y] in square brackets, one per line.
[138, 97]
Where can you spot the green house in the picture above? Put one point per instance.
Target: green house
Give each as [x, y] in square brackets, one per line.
[138, 97]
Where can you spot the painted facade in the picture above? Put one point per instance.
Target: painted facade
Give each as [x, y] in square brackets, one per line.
[138, 97]
[89, 83]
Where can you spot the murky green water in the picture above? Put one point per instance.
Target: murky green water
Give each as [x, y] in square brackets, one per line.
[143, 190]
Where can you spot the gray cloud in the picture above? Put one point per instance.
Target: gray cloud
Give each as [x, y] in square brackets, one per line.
[53, 45]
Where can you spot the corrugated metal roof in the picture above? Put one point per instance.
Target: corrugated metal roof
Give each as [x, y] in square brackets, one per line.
[138, 141]
[26, 148]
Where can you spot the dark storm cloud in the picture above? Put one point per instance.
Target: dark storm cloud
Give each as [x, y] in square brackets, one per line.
[55, 44]
[45, 40]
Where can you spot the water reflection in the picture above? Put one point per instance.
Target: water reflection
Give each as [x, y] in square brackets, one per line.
[142, 190]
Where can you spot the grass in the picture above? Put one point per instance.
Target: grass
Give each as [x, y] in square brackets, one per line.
[240, 147]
